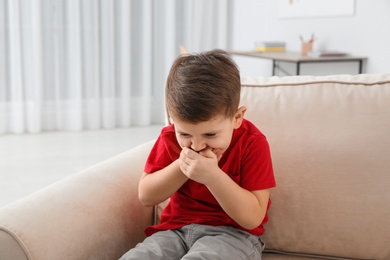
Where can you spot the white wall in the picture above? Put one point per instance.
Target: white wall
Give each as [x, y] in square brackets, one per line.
[366, 33]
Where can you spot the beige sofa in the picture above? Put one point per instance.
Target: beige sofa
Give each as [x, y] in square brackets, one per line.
[330, 143]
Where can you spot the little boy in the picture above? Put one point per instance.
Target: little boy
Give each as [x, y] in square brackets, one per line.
[214, 165]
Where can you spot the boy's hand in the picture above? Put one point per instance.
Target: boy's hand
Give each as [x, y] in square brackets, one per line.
[201, 166]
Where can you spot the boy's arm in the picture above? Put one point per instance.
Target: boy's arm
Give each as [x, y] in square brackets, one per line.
[247, 208]
[160, 185]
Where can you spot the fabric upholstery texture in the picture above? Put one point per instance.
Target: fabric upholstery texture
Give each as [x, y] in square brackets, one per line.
[329, 139]
[94, 214]
[330, 146]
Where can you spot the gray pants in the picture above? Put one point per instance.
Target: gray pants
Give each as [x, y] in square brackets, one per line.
[198, 242]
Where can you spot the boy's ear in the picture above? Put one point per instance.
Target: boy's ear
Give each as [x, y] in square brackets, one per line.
[239, 116]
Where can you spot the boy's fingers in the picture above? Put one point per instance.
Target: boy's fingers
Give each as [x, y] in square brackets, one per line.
[207, 153]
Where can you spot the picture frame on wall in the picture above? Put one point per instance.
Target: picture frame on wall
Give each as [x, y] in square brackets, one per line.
[315, 8]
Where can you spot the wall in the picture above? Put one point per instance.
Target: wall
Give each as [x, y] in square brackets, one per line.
[363, 34]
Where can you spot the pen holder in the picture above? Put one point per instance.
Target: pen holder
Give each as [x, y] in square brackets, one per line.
[306, 47]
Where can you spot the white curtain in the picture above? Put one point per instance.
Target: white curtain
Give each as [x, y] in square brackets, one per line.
[92, 64]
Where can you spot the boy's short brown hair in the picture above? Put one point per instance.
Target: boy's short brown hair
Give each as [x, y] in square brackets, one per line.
[201, 86]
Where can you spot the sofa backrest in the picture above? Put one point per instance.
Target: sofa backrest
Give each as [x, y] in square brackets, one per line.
[330, 144]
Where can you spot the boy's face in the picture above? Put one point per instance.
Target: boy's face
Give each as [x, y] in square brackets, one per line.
[214, 134]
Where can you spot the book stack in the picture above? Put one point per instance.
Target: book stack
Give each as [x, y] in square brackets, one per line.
[270, 46]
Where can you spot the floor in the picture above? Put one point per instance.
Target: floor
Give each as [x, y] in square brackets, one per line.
[31, 162]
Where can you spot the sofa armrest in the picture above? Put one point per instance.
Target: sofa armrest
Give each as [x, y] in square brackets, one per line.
[94, 214]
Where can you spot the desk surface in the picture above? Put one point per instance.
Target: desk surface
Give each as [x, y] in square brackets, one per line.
[295, 56]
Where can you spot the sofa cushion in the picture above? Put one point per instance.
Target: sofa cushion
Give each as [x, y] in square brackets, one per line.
[330, 143]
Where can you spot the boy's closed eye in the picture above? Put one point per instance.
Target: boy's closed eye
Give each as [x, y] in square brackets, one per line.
[206, 135]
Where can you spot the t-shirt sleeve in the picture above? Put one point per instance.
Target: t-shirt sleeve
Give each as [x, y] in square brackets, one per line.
[164, 152]
[256, 169]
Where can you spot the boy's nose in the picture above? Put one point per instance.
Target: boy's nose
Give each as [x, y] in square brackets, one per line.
[197, 147]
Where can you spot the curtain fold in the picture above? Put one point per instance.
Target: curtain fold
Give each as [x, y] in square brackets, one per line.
[93, 64]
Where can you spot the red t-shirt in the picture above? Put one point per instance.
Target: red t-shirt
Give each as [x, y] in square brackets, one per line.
[247, 161]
